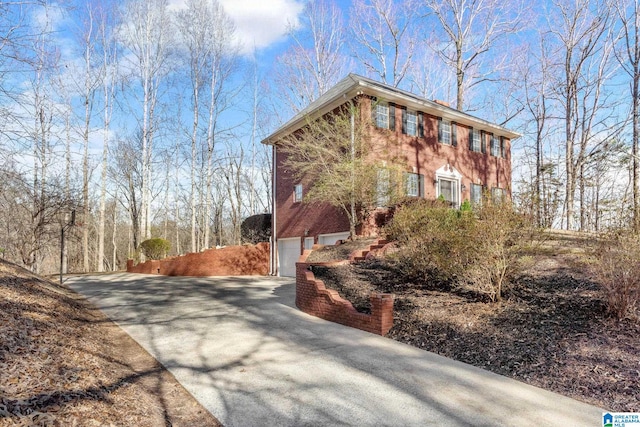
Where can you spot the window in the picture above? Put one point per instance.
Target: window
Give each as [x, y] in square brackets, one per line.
[308, 243]
[498, 195]
[475, 140]
[495, 147]
[297, 193]
[448, 189]
[410, 122]
[385, 116]
[476, 194]
[382, 188]
[414, 184]
[444, 134]
[382, 115]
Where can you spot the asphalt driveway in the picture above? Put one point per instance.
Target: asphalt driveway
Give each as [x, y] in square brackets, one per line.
[240, 346]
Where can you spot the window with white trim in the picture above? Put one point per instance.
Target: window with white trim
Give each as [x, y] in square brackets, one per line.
[445, 132]
[495, 146]
[297, 193]
[382, 188]
[382, 115]
[413, 184]
[476, 194]
[412, 123]
[448, 190]
[475, 141]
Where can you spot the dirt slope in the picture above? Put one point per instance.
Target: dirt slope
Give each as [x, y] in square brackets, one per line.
[63, 363]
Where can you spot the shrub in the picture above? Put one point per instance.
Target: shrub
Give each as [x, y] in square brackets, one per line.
[617, 268]
[500, 237]
[256, 229]
[480, 250]
[155, 248]
[432, 239]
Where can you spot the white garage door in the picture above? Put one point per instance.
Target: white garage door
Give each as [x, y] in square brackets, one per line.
[288, 255]
[331, 239]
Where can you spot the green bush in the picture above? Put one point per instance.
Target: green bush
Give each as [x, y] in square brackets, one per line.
[155, 248]
[617, 267]
[480, 250]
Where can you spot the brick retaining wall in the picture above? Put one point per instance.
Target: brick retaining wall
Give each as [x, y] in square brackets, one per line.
[243, 260]
[314, 298]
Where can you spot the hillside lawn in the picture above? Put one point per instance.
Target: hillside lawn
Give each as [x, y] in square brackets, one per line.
[551, 330]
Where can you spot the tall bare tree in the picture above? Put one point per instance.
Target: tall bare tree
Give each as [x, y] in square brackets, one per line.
[222, 64]
[584, 50]
[146, 35]
[109, 52]
[315, 61]
[385, 38]
[469, 31]
[628, 13]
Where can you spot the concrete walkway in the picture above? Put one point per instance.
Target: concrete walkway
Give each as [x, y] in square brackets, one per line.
[240, 346]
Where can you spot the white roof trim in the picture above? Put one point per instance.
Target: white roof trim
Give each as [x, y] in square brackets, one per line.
[354, 85]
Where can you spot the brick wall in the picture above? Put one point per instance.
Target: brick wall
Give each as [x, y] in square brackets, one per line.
[314, 298]
[243, 260]
[424, 155]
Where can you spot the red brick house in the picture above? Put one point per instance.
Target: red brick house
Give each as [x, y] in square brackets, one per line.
[448, 153]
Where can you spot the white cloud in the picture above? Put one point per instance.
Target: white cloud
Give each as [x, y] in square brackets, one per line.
[260, 23]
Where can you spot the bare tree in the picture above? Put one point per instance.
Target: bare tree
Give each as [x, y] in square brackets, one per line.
[331, 156]
[223, 60]
[315, 61]
[534, 75]
[628, 13]
[584, 50]
[385, 38]
[145, 33]
[109, 66]
[196, 31]
[468, 31]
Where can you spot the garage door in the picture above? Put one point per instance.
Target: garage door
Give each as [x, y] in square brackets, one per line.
[288, 255]
[331, 239]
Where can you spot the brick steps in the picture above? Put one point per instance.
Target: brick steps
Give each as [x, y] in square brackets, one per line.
[361, 255]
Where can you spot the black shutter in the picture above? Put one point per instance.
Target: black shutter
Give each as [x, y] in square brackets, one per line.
[439, 129]
[392, 116]
[503, 154]
[454, 134]
[492, 143]
[420, 125]
[374, 118]
[421, 184]
[404, 120]
[470, 139]
[483, 142]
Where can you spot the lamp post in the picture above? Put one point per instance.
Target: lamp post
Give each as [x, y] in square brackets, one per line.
[66, 223]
